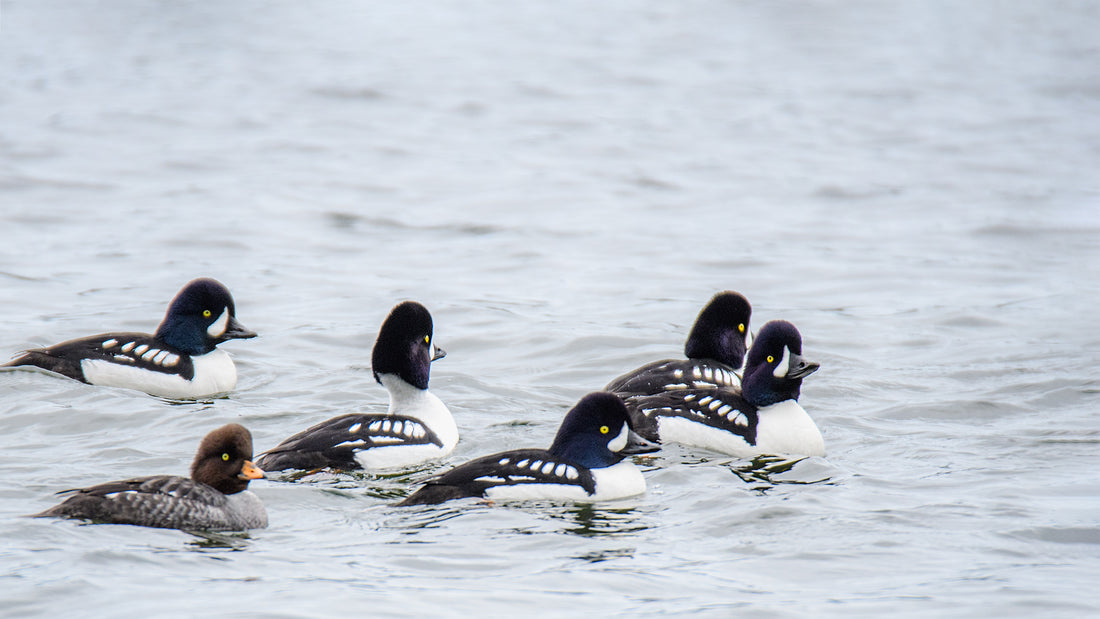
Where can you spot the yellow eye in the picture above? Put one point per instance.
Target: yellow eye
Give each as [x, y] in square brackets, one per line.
[741, 328]
[604, 429]
[770, 358]
[206, 313]
[427, 339]
[225, 457]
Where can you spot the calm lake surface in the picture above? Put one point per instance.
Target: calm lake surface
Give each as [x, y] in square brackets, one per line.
[564, 185]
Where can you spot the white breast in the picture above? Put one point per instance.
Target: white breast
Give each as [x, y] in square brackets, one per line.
[214, 374]
[423, 405]
[785, 428]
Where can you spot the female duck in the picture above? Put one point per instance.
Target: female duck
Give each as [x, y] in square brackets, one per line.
[214, 498]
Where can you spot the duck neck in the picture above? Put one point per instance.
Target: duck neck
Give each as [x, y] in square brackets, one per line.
[410, 401]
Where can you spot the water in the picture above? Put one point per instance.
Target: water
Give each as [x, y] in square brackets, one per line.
[564, 185]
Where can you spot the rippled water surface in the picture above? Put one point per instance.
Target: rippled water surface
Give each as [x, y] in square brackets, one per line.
[564, 184]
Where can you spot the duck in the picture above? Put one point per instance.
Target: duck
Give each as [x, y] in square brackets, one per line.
[214, 498]
[715, 351]
[417, 427]
[180, 361]
[762, 417]
[586, 462]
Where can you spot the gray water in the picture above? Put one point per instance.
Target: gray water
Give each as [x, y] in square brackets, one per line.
[564, 184]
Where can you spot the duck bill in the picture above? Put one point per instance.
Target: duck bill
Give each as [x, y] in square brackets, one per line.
[800, 368]
[250, 471]
[636, 444]
[236, 331]
[438, 353]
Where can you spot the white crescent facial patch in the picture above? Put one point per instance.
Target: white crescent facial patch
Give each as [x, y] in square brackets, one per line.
[619, 442]
[784, 364]
[217, 328]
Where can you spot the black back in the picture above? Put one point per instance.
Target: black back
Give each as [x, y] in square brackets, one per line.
[334, 443]
[119, 348]
[507, 468]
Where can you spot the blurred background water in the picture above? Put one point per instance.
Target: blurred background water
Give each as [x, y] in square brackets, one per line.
[564, 185]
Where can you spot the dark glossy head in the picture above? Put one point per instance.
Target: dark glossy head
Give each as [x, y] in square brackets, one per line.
[201, 316]
[404, 346]
[596, 433]
[224, 460]
[721, 331]
[775, 368]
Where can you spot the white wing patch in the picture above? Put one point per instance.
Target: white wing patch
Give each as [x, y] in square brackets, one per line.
[355, 443]
[146, 353]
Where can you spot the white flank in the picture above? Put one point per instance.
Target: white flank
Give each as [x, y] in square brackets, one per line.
[614, 482]
[784, 428]
[214, 374]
